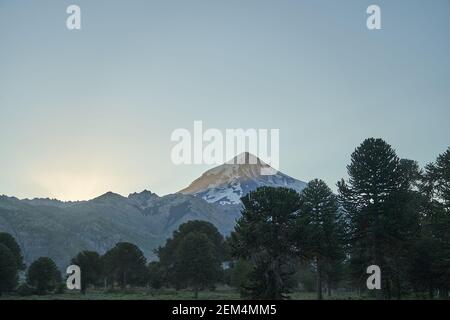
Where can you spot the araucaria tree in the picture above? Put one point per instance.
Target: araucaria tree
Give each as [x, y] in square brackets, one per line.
[91, 266]
[196, 264]
[11, 243]
[8, 270]
[43, 275]
[11, 262]
[125, 264]
[375, 201]
[320, 232]
[431, 263]
[264, 236]
[193, 256]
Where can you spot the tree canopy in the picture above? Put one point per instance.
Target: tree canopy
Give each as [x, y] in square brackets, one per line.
[8, 269]
[91, 266]
[125, 264]
[43, 275]
[264, 236]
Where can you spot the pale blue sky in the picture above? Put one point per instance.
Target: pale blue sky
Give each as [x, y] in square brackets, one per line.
[85, 112]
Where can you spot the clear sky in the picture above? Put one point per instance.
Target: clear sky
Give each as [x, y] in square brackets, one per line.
[84, 112]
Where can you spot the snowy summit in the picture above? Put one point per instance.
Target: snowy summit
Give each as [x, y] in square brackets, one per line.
[227, 183]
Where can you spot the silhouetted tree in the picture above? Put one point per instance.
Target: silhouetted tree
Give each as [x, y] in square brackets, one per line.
[240, 271]
[168, 253]
[375, 201]
[435, 236]
[11, 243]
[126, 265]
[196, 262]
[43, 275]
[264, 236]
[155, 275]
[320, 231]
[91, 266]
[8, 270]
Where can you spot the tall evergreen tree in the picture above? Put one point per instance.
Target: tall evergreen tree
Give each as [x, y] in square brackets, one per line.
[436, 227]
[43, 275]
[196, 263]
[126, 265]
[263, 236]
[155, 275]
[11, 243]
[168, 253]
[320, 232]
[374, 200]
[240, 271]
[91, 266]
[8, 270]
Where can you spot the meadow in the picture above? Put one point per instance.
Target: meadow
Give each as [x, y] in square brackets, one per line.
[166, 294]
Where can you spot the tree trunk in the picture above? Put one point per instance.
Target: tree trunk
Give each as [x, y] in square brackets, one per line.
[319, 280]
[329, 286]
[196, 292]
[443, 293]
[387, 292]
[124, 280]
[398, 288]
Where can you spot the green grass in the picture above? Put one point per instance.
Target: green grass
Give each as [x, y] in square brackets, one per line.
[164, 294]
[135, 294]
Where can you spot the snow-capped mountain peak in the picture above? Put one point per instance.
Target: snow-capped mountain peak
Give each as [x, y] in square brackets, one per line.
[227, 183]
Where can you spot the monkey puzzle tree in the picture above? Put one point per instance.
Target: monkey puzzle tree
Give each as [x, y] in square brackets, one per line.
[8, 269]
[126, 265]
[196, 262]
[169, 252]
[435, 237]
[155, 275]
[320, 231]
[11, 243]
[43, 275]
[193, 256]
[375, 200]
[264, 236]
[91, 266]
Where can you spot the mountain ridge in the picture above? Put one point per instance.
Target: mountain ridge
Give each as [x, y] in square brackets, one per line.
[60, 229]
[229, 182]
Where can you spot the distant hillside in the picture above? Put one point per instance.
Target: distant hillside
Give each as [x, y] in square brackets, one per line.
[56, 229]
[60, 230]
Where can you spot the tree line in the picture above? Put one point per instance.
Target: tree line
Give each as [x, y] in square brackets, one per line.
[389, 213]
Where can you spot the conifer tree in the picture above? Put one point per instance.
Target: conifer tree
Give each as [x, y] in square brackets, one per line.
[43, 275]
[264, 237]
[8, 270]
[320, 232]
[192, 257]
[91, 266]
[435, 237]
[11, 243]
[374, 200]
[196, 264]
[125, 264]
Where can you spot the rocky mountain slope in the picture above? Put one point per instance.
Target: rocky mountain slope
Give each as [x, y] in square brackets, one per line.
[227, 183]
[56, 229]
[60, 230]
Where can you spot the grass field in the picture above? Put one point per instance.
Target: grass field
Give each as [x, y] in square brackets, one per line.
[165, 294]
